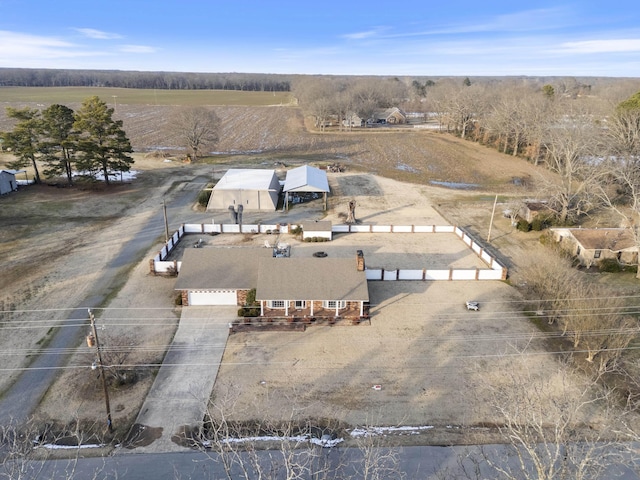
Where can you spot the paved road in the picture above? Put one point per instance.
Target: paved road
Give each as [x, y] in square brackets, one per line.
[424, 463]
[181, 390]
[25, 394]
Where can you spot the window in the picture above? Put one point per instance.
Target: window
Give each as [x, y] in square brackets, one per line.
[300, 304]
[596, 254]
[334, 304]
[275, 304]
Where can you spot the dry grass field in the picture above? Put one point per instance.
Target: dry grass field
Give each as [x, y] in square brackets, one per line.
[428, 353]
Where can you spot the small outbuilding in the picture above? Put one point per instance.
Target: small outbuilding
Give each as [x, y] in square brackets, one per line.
[306, 180]
[254, 189]
[8, 182]
[318, 229]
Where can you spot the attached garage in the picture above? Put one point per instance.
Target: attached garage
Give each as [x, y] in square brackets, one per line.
[213, 297]
[218, 275]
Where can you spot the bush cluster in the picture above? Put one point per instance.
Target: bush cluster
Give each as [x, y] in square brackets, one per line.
[203, 197]
[248, 311]
[316, 239]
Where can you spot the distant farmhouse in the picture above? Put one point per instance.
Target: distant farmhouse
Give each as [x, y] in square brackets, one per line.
[592, 245]
[254, 189]
[393, 116]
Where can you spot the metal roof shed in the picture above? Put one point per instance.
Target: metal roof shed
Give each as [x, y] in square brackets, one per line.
[254, 189]
[306, 179]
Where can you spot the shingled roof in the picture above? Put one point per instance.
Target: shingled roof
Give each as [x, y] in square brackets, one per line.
[311, 279]
[220, 268]
[614, 239]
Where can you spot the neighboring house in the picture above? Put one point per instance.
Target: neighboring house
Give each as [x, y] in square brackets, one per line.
[254, 189]
[393, 115]
[592, 245]
[8, 181]
[352, 119]
[531, 209]
[305, 180]
[285, 287]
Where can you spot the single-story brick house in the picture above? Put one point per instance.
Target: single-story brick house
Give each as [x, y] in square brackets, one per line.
[301, 287]
[592, 245]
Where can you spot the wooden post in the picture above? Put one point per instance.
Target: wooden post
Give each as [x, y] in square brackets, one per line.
[491, 222]
[100, 365]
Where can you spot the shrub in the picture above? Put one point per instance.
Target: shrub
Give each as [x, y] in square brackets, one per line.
[610, 265]
[178, 300]
[540, 223]
[297, 230]
[523, 226]
[203, 197]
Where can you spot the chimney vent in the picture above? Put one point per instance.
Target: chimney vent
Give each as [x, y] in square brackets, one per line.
[360, 260]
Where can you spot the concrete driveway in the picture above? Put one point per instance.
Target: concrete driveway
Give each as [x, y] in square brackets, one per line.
[182, 388]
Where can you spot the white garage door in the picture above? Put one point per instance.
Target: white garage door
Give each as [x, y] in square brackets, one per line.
[212, 297]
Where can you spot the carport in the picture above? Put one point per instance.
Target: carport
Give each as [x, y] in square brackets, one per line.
[308, 180]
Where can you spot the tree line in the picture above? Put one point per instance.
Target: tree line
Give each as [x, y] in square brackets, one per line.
[40, 77]
[88, 141]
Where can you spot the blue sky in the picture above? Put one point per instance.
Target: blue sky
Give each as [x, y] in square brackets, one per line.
[459, 37]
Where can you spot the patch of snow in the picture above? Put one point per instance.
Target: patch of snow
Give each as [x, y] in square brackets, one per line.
[266, 438]
[53, 446]
[376, 431]
[454, 184]
[406, 168]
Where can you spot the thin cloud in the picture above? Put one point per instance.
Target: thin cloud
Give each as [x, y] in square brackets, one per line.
[137, 49]
[97, 34]
[17, 46]
[362, 35]
[603, 46]
[525, 21]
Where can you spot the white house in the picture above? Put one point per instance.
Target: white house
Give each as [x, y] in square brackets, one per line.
[254, 189]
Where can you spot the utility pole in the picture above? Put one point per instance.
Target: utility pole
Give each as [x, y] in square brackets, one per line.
[493, 212]
[94, 332]
[166, 223]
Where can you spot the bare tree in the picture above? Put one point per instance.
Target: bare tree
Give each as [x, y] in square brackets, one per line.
[26, 450]
[556, 425]
[196, 128]
[569, 146]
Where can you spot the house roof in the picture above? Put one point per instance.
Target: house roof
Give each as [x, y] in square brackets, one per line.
[317, 226]
[300, 278]
[614, 239]
[311, 279]
[306, 179]
[220, 268]
[246, 179]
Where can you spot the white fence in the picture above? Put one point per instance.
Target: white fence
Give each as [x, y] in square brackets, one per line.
[159, 265]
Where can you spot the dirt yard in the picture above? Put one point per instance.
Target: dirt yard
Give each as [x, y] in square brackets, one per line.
[428, 354]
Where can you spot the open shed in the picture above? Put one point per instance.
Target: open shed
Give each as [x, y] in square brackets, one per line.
[253, 188]
[304, 180]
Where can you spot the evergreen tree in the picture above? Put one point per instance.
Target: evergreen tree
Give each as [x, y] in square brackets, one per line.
[23, 140]
[102, 143]
[58, 141]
